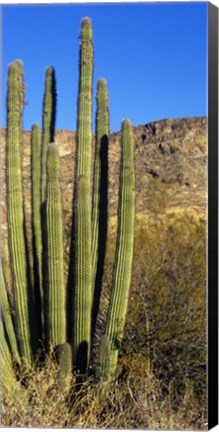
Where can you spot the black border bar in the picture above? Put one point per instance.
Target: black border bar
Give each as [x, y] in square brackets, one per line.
[212, 215]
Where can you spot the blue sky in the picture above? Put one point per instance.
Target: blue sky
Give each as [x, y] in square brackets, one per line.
[153, 56]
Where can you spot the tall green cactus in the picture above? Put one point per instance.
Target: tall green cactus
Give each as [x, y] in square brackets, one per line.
[100, 196]
[36, 215]
[56, 297]
[82, 204]
[15, 206]
[7, 318]
[48, 130]
[124, 249]
[102, 137]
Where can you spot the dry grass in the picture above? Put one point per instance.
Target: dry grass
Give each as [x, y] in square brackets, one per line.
[132, 403]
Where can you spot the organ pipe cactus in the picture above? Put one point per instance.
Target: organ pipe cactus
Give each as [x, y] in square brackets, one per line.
[56, 298]
[49, 113]
[82, 204]
[15, 101]
[47, 227]
[36, 213]
[124, 249]
[102, 137]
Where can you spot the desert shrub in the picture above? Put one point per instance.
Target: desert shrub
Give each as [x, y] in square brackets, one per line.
[166, 322]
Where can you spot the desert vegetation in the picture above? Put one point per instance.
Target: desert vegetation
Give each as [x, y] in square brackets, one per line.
[103, 312]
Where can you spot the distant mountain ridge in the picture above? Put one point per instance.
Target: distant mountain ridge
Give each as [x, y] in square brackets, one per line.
[170, 165]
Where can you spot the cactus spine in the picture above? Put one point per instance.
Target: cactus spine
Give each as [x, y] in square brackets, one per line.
[15, 206]
[102, 136]
[83, 272]
[36, 211]
[49, 113]
[56, 289]
[124, 248]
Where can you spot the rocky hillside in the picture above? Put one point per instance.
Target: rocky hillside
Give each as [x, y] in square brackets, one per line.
[170, 160]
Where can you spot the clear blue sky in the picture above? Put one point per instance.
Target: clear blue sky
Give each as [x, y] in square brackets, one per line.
[153, 56]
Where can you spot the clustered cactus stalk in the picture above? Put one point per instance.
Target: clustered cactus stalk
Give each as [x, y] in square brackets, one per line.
[82, 207]
[124, 248]
[49, 113]
[48, 307]
[102, 138]
[36, 218]
[56, 298]
[15, 103]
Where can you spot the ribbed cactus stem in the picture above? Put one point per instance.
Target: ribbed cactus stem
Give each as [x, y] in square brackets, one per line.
[56, 314]
[84, 126]
[104, 357]
[7, 318]
[49, 113]
[6, 267]
[82, 204]
[124, 248]
[64, 357]
[36, 210]
[7, 375]
[15, 206]
[102, 137]
[83, 274]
